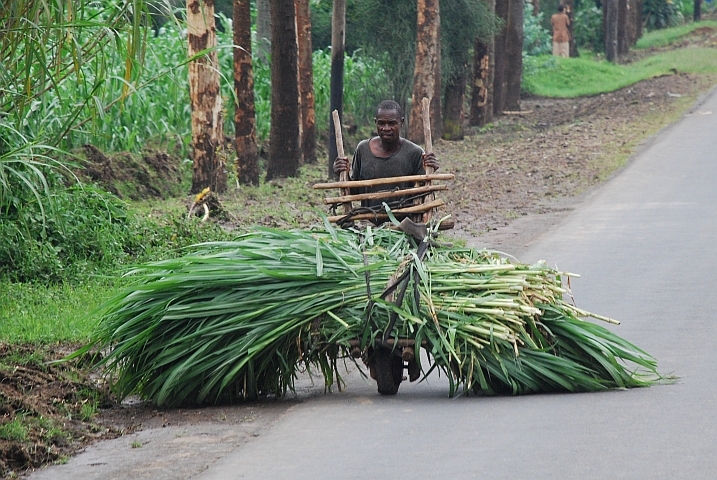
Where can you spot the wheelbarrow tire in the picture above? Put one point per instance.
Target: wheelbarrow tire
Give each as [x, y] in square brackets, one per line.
[389, 371]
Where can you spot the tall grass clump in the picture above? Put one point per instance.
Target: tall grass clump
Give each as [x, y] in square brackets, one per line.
[65, 63]
[241, 319]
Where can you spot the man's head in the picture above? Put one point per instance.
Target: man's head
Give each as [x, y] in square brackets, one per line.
[389, 105]
[388, 121]
[561, 9]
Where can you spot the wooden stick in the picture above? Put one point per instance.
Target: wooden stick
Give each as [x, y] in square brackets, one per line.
[384, 181]
[343, 176]
[400, 211]
[426, 105]
[515, 112]
[407, 192]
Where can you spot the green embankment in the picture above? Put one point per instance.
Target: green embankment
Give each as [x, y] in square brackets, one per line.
[549, 76]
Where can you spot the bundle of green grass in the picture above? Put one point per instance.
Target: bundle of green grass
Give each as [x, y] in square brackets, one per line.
[242, 319]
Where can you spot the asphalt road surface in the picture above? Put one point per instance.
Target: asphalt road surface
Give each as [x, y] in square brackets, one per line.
[645, 246]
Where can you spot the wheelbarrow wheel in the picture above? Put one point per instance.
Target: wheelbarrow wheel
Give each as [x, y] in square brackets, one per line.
[389, 371]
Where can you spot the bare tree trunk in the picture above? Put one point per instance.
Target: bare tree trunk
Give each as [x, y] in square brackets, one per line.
[610, 13]
[499, 77]
[306, 82]
[638, 19]
[244, 112]
[426, 81]
[455, 99]
[631, 23]
[336, 84]
[263, 29]
[697, 13]
[482, 86]
[623, 43]
[209, 169]
[284, 151]
[514, 55]
[570, 12]
[536, 7]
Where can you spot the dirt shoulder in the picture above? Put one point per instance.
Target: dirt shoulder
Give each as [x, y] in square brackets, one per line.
[515, 181]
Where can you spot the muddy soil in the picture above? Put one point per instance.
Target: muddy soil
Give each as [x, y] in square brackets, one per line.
[513, 181]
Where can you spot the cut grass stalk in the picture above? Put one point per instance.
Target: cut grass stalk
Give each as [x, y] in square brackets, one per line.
[241, 319]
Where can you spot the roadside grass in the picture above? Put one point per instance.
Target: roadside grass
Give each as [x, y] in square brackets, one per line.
[668, 36]
[39, 313]
[576, 77]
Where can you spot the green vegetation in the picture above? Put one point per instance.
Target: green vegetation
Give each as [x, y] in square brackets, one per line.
[33, 312]
[14, 430]
[659, 14]
[589, 30]
[664, 37]
[574, 77]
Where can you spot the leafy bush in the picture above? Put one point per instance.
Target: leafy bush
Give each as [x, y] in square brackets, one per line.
[588, 29]
[86, 230]
[536, 39]
[661, 14]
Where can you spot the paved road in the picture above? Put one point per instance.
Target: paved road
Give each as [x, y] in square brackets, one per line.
[645, 247]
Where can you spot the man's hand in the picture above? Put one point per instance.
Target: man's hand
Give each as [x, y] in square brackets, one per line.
[429, 161]
[341, 164]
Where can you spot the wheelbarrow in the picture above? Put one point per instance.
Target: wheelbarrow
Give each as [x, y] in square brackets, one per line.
[387, 358]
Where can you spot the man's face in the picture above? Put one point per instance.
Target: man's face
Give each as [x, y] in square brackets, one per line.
[388, 125]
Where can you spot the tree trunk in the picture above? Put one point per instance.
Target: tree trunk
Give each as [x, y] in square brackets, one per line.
[426, 83]
[263, 29]
[306, 82]
[455, 98]
[209, 169]
[610, 13]
[284, 151]
[244, 112]
[536, 7]
[570, 12]
[514, 55]
[499, 77]
[697, 13]
[623, 42]
[630, 23]
[482, 85]
[638, 19]
[336, 84]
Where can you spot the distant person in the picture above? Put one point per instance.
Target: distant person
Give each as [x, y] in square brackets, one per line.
[386, 155]
[561, 34]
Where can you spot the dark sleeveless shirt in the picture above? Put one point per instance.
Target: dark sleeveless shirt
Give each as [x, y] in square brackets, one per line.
[407, 160]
